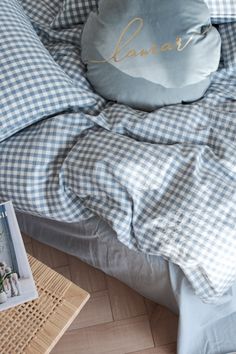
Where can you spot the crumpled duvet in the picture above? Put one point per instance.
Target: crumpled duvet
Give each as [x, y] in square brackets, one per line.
[165, 181]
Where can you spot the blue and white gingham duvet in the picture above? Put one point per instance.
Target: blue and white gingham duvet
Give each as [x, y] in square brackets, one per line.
[165, 181]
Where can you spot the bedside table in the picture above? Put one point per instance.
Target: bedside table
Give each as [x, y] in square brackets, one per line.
[36, 326]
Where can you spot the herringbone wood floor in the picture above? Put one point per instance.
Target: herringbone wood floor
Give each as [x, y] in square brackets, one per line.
[116, 320]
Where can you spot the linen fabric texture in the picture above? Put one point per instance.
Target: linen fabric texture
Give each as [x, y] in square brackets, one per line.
[32, 85]
[222, 10]
[74, 12]
[164, 181]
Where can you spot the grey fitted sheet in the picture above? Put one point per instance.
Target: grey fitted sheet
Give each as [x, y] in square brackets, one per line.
[203, 328]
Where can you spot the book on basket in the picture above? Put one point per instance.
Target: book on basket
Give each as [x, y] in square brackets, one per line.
[16, 280]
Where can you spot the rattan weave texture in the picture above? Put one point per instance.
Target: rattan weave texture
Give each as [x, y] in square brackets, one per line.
[36, 326]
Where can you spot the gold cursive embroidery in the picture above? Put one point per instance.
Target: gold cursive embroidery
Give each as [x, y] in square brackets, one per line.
[118, 54]
[167, 47]
[119, 45]
[180, 48]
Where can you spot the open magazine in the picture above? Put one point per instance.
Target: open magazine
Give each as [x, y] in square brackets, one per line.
[16, 281]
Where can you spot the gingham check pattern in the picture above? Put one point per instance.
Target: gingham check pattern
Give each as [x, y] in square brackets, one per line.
[67, 13]
[165, 181]
[222, 8]
[76, 11]
[32, 85]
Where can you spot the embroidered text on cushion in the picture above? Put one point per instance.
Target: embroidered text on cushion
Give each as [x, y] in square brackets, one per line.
[147, 57]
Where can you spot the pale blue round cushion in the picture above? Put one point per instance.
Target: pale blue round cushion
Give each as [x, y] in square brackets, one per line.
[148, 55]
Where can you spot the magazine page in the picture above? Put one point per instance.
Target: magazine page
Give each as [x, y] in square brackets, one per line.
[16, 281]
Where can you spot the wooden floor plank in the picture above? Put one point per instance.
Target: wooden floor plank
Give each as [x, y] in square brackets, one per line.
[120, 336]
[26, 238]
[125, 302]
[165, 349]
[87, 277]
[164, 325]
[48, 255]
[29, 248]
[96, 311]
[150, 307]
[64, 270]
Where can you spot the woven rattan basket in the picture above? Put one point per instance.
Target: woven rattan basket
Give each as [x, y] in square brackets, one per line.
[35, 327]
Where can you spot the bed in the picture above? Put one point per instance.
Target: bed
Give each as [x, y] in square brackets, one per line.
[203, 328]
[75, 186]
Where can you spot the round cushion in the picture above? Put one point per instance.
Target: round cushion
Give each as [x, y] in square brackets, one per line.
[150, 55]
